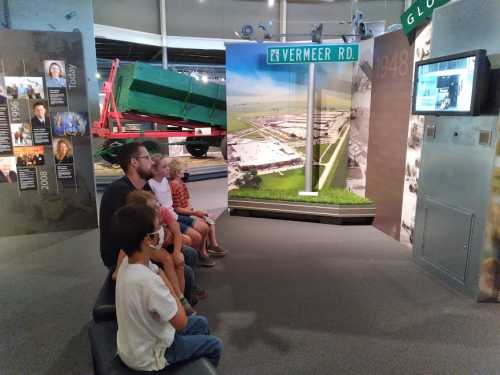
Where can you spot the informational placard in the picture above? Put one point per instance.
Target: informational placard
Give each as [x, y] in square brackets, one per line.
[46, 168]
[27, 178]
[5, 138]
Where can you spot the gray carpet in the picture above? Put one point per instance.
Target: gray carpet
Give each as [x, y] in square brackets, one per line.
[48, 284]
[304, 298]
[292, 298]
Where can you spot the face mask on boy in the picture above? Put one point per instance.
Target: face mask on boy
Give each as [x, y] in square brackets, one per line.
[161, 238]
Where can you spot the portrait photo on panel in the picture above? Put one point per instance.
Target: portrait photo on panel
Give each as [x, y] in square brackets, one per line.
[63, 151]
[40, 115]
[8, 170]
[55, 73]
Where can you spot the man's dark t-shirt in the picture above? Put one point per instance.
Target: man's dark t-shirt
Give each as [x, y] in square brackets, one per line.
[114, 197]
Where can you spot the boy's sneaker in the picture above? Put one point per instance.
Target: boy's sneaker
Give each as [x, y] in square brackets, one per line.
[217, 251]
[205, 261]
[187, 306]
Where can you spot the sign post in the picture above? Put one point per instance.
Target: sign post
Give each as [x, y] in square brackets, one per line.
[310, 130]
[311, 54]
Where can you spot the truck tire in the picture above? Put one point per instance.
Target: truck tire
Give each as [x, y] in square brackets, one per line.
[152, 146]
[111, 147]
[110, 150]
[197, 147]
[223, 148]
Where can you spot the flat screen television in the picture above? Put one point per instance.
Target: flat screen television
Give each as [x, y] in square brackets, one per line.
[451, 85]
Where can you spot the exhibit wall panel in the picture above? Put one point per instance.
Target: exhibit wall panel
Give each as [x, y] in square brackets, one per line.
[389, 117]
[457, 27]
[414, 151]
[360, 118]
[74, 15]
[267, 110]
[46, 171]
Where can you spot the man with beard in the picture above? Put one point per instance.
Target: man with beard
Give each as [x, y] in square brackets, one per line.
[136, 162]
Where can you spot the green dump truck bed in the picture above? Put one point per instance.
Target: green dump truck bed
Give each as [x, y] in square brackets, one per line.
[152, 90]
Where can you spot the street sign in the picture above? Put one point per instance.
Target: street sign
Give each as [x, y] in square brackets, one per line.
[418, 13]
[321, 53]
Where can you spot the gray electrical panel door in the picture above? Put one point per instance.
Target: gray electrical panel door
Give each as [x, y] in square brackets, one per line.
[446, 241]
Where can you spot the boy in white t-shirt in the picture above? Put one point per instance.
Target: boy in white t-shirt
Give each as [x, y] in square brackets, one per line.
[153, 330]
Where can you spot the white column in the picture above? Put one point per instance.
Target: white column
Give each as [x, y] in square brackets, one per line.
[283, 17]
[163, 26]
[308, 167]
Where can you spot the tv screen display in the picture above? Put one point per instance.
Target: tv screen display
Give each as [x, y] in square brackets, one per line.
[449, 85]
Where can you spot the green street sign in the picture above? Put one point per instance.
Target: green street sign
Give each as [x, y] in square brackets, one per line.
[320, 53]
[418, 13]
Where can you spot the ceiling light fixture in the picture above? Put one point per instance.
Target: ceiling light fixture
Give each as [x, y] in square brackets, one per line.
[270, 3]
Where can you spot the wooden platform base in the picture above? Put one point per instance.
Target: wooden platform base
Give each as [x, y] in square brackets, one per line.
[322, 213]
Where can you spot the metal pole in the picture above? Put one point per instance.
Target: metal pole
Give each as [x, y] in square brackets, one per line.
[163, 26]
[283, 20]
[164, 60]
[310, 129]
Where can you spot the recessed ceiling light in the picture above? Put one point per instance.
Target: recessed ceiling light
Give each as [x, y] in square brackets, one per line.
[270, 3]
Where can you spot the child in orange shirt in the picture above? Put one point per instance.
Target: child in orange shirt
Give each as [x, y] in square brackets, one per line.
[181, 204]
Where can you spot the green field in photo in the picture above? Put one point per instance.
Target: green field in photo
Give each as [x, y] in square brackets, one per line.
[288, 180]
[235, 124]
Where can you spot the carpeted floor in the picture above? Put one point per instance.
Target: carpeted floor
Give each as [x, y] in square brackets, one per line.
[305, 298]
[292, 298]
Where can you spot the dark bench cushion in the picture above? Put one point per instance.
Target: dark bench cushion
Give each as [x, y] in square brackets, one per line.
[104, 308]
[106, 361]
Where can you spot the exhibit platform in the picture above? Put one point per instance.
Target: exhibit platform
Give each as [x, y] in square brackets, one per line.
[362, 214]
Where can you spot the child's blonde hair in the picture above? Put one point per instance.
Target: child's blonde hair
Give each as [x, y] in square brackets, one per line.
[156, 159]
[175, 166]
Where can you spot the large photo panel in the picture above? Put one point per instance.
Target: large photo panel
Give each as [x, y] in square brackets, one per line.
[47, 181]
[267, 118]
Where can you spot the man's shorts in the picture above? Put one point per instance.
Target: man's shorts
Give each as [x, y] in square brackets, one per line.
[185, 222]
